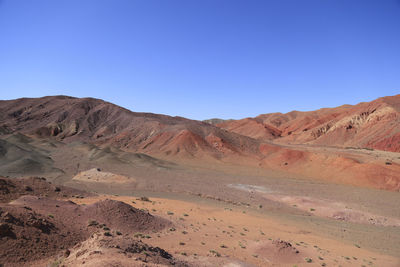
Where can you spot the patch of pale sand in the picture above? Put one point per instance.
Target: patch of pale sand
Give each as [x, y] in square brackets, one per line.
[206, 235]
[96, 176]
[334, 210]
[320, 207]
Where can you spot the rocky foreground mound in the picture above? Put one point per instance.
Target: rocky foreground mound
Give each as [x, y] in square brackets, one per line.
[35, 229]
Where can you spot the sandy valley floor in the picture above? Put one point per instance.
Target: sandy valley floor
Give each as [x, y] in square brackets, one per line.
[211, 233]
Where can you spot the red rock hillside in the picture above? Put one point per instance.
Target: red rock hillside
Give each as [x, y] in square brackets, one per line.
[373, 124]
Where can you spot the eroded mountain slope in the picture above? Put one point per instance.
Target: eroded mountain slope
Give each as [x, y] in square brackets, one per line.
[373, 124]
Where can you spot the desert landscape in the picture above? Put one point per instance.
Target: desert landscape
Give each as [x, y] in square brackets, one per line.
[225, 133]
[85, 182]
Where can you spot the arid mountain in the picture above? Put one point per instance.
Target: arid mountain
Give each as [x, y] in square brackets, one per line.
[70, 119]
[373, 124]
[63, 137]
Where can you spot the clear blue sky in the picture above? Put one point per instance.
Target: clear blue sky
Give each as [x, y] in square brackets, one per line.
[202, 59]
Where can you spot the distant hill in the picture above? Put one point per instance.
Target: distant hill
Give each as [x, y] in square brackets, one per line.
[373, 124]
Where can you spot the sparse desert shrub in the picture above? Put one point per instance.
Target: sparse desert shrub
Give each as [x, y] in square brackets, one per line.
[170, 213]
[92, 223]
[28, 188]
[56, 263]
[309, 260]
[172, 229]
[182, 243]
[106, 228]
[107, 233]
[223, 246]
[357, 245]
[388, 163]
[312, 209]
[138, 235]
[118, 232]
[51, 215]
[146, 199]
[215, 253]
[241, 245]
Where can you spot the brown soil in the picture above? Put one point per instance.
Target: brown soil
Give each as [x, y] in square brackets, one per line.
[33, 235]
